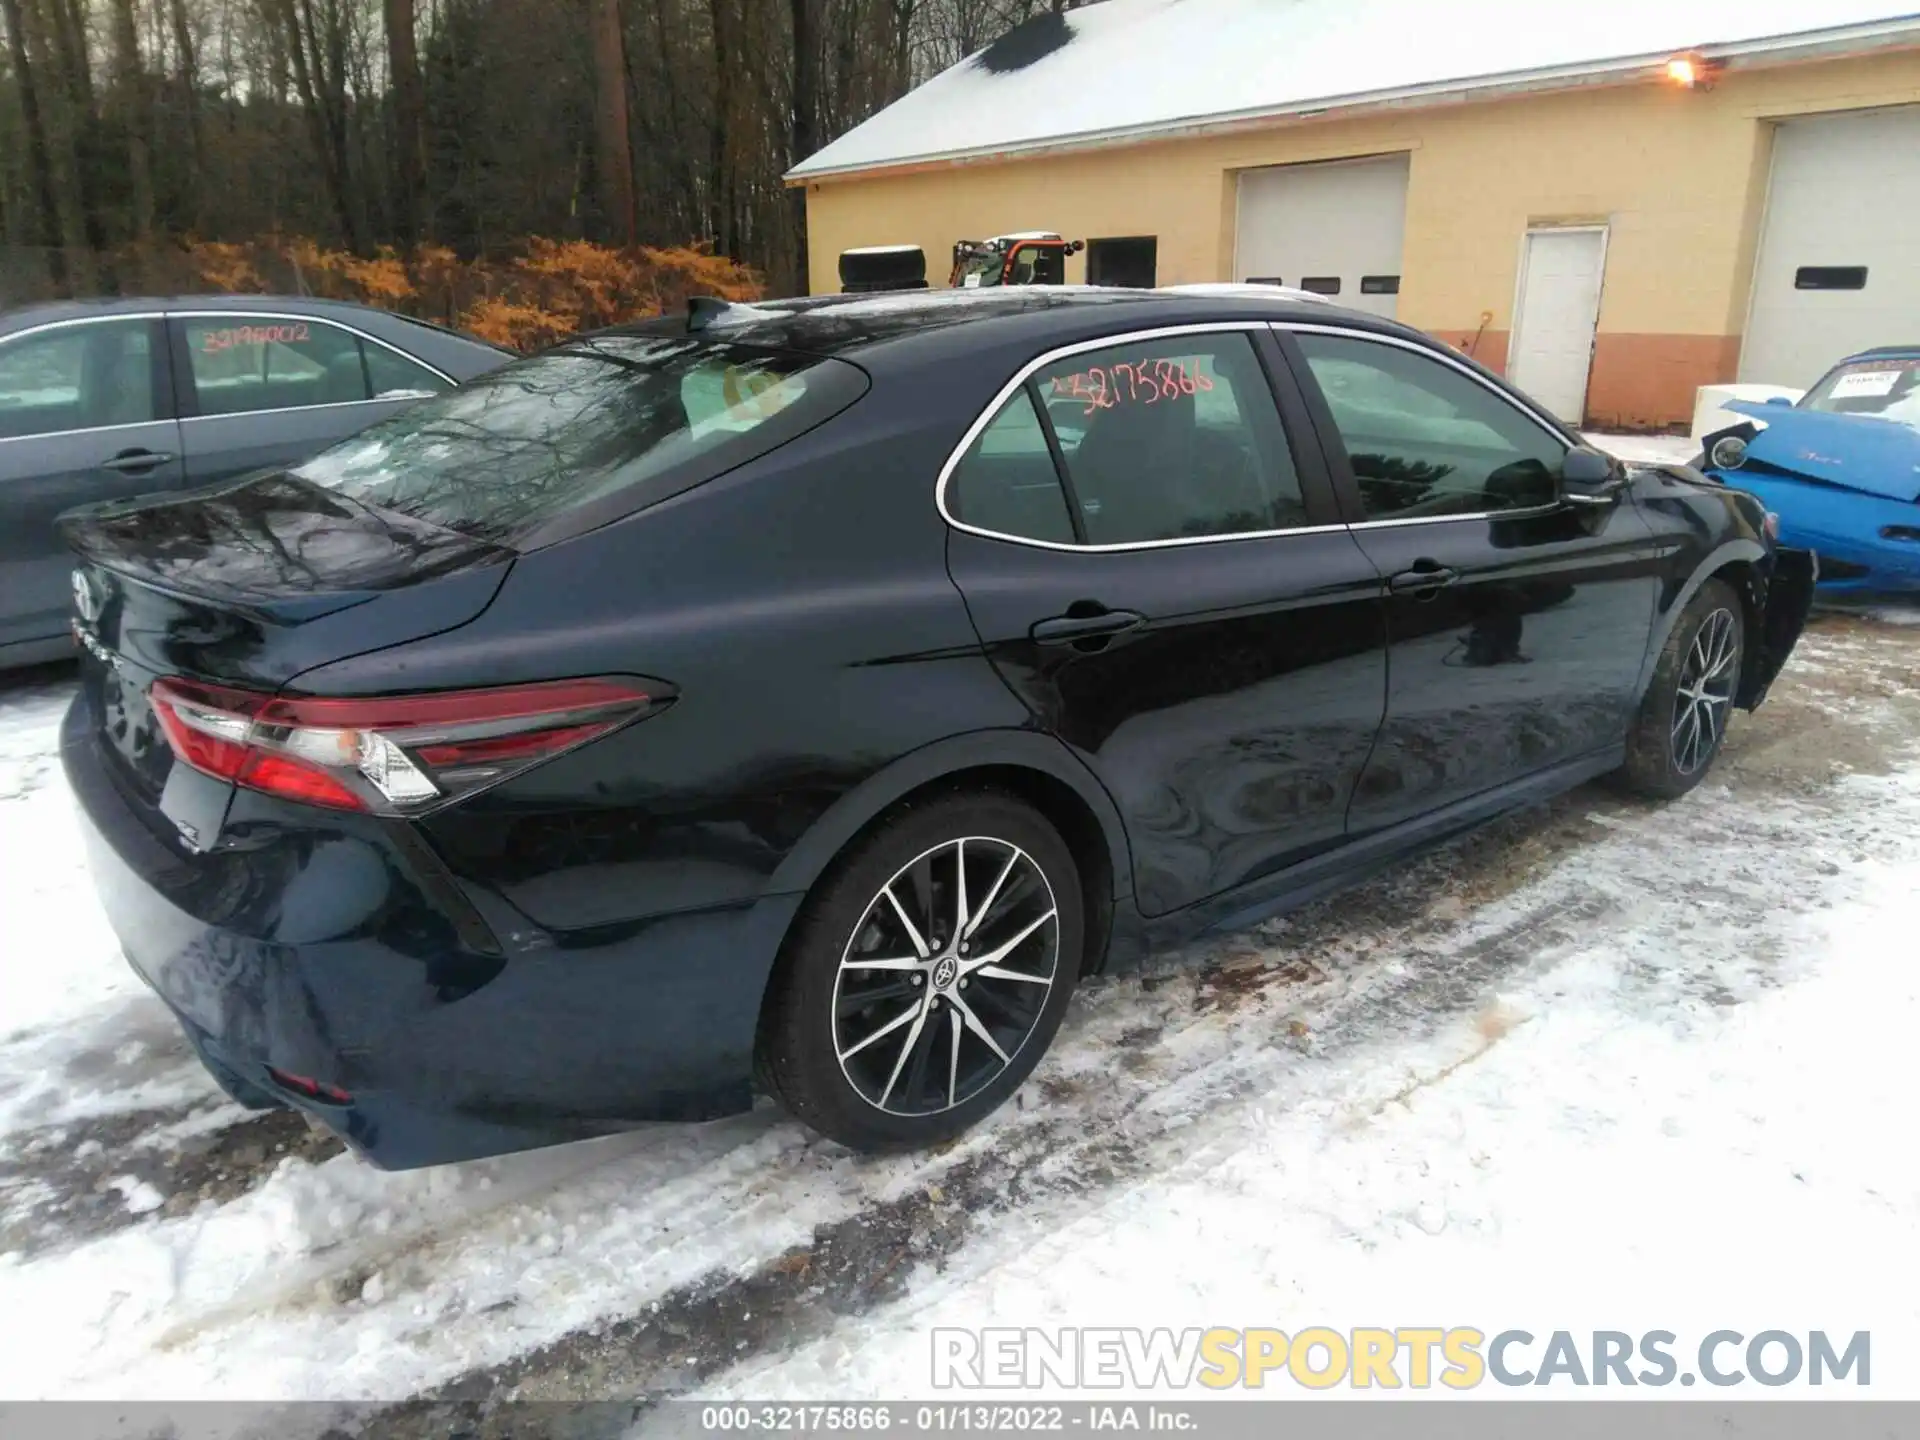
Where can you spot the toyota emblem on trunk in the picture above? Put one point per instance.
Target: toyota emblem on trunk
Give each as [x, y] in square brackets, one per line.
[86, 597]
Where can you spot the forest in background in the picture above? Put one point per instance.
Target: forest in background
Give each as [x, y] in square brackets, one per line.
[139, 137]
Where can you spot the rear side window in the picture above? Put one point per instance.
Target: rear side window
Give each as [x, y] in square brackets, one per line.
[606, 424]
[1173, 439]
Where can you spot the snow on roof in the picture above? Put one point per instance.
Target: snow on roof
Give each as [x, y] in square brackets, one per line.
[1132, 69]
[1249, 290]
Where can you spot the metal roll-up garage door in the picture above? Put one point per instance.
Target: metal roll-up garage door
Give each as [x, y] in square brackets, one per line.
[1335, 228]
[1839, 263]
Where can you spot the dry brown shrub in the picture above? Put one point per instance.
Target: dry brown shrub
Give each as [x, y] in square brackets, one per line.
[546, 291]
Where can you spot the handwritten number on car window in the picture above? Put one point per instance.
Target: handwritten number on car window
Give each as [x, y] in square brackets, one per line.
[1146, 383]
[215, 341]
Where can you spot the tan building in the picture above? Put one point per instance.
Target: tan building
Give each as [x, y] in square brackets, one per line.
[1541, 187]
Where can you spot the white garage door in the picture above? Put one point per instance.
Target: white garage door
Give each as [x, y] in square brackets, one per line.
[1334, 228]
[1839, 264]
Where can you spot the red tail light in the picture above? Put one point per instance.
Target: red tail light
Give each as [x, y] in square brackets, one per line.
[390, 754]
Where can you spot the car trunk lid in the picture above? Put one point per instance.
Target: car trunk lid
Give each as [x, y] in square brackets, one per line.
[248, 585]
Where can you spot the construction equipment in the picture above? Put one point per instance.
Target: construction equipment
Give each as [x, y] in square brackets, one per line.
[1033, 257]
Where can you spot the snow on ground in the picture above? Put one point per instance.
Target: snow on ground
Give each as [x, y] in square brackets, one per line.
[1603, 1064]
[1646, 449]
[1591, 1151]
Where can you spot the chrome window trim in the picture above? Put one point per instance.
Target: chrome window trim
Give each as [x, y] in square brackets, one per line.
[68, 323]
[300, 409]
[1081, 347]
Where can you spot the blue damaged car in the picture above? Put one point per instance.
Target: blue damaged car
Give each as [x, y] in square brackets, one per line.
[1841, 468]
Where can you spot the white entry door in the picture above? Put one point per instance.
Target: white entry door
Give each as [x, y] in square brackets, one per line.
[1552, 352]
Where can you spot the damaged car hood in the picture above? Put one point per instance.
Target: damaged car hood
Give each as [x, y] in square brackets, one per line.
[1857, 452]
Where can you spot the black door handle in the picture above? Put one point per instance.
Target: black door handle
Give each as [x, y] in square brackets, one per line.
[132, 462]
[1425, 575]
[1069, 629]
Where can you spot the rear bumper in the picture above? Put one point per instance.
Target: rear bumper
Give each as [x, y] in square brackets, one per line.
[337, 948]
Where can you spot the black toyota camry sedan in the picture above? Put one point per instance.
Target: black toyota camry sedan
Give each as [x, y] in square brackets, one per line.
[809, 695]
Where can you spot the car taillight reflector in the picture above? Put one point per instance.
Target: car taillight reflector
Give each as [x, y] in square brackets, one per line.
[390, 754]
[306, 1085]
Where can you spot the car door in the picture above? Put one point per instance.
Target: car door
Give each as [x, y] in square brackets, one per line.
[1517, 622]
[271, 390]
[1154, 563]
[86, 414]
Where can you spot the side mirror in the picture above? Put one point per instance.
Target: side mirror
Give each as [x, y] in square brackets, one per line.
[1779, 400]
[1589, 477]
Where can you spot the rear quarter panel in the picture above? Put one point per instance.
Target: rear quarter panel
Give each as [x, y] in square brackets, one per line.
[802, 608]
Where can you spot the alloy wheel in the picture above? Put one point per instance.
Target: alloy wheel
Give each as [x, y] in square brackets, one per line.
[945, 976]
[1705, 694]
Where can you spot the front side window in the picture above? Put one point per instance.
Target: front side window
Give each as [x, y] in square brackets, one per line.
[243, 363]
[1173, 439]
[76, 377]
[623, 418]
[1884, 389]
[1426, 440]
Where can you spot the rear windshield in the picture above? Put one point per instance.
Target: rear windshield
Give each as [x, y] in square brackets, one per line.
[587, 431]
[1889, 389]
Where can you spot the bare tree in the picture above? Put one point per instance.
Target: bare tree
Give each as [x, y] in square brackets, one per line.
[127, 124]
[130, 94]
[40, 161]
[409, 119]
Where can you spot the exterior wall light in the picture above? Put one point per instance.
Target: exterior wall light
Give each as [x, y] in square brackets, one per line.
[1691, 70]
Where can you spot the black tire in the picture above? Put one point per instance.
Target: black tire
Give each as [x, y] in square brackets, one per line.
[860, 967]
[1667, 753]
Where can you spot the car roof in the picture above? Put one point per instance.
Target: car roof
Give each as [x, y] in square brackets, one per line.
[1885, 352]
[1250, 289]
[27, 316]
[857, 326]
